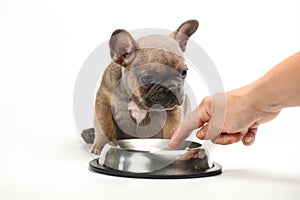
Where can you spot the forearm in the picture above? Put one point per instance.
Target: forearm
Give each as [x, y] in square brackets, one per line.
[280, 87]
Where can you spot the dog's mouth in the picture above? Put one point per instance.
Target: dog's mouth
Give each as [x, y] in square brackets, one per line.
[162, 99]
[162, 104]
[156, 106]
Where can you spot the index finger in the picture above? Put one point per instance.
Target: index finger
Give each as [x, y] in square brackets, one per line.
[194, 120]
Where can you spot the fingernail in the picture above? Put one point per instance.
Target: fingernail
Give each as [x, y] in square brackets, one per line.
[200, 134]
[172, 143]
[248, 139]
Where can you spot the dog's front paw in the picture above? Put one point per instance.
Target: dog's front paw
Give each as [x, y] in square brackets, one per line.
[97, 147]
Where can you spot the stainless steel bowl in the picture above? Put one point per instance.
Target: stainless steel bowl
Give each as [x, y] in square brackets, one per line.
[152, 155]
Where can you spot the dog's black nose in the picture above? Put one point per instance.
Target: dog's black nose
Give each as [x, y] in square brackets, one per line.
[171, 90]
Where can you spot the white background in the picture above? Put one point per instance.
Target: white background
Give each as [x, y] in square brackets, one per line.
[42, 47]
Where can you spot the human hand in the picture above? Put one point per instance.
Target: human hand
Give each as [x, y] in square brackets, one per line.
[226, 118]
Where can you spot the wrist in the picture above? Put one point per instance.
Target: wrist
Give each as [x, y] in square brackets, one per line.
[262, 95]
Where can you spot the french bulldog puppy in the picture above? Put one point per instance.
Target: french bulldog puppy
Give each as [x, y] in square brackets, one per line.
[142, 90]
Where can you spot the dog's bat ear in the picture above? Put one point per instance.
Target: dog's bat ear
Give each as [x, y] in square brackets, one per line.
[122, 47]
[185, 30]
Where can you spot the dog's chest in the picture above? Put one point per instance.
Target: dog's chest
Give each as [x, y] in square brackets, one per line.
[136, 113]
[133, 122]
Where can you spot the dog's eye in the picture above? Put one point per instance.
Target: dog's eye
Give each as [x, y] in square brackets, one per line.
[183, 74]
[147, 79]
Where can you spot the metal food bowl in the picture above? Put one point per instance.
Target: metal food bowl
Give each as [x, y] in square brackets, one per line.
[152, 158]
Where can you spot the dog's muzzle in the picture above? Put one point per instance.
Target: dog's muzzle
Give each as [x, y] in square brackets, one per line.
[167, 97]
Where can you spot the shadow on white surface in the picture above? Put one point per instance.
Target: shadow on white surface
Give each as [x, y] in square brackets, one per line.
[259, 175]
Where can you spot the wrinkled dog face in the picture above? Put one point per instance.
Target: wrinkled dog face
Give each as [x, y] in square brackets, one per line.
[156, 77]
[154, 68]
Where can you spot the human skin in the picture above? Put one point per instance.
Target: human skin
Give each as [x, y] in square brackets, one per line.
[234, 116]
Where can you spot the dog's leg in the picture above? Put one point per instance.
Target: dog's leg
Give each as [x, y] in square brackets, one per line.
[172, 122]
[105, 127]
[100, 139]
